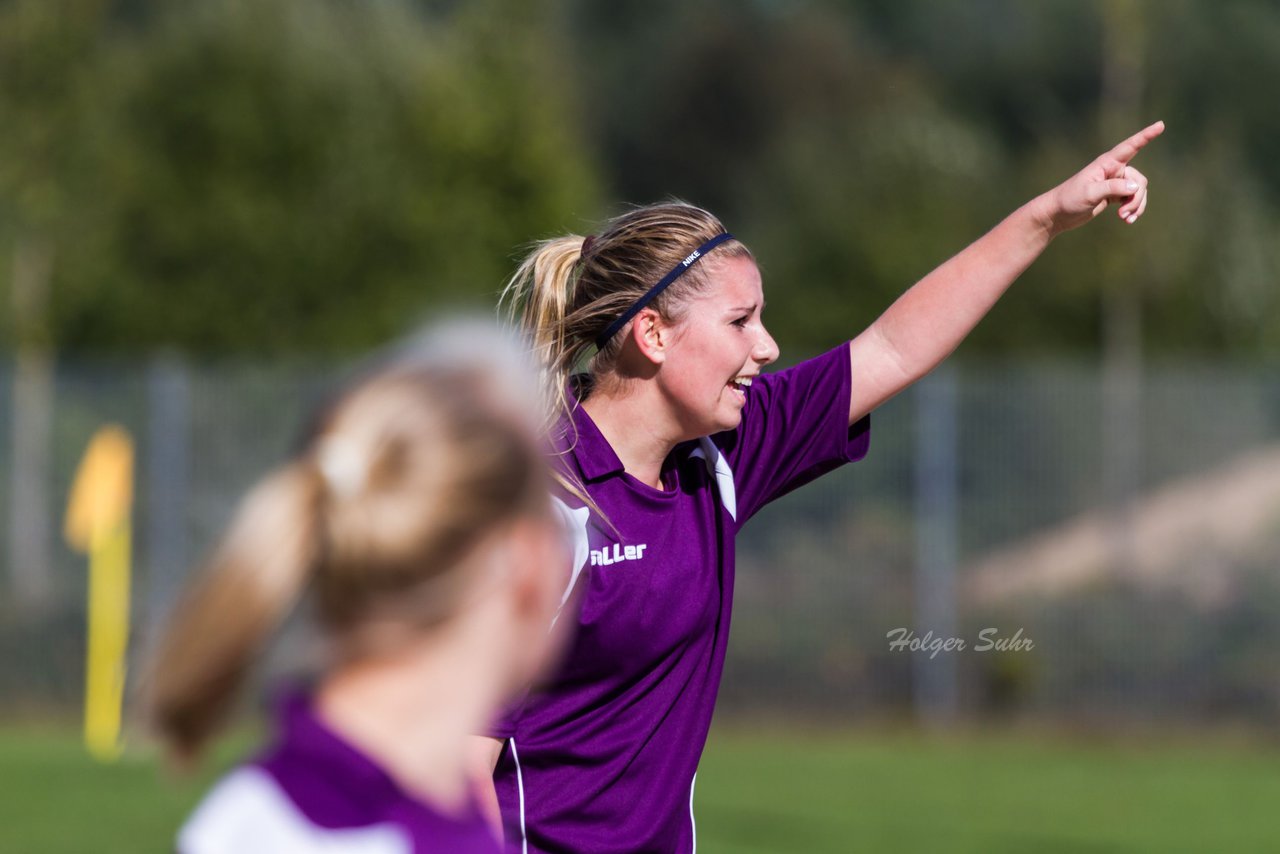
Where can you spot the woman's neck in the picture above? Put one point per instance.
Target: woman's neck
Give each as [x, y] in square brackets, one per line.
[412, 714]
[637, 430]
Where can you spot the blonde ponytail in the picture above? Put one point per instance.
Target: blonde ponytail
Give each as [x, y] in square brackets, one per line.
[536, 300]
[241, 597]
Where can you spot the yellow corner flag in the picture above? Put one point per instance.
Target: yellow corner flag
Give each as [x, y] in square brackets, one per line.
[98, 522]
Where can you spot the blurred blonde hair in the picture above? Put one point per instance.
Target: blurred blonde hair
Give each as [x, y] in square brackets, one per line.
[406, 475]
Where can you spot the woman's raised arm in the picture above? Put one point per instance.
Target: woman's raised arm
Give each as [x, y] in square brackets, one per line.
[925, 324]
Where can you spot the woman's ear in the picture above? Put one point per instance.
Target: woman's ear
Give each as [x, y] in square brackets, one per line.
[651, 335]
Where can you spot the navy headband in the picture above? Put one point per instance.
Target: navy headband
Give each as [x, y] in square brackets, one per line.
[662, 285]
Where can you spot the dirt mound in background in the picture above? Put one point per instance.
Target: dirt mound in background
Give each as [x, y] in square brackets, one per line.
[1185, 535]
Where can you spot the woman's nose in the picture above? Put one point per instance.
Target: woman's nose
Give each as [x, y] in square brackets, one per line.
[766, 348]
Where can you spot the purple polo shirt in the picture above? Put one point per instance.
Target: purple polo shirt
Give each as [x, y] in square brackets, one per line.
[603, 757]
[314, 792]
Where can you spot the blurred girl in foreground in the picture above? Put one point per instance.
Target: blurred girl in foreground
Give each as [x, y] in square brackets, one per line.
[418, 520]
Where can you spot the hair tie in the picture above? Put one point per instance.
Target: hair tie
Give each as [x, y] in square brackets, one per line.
[343, 466]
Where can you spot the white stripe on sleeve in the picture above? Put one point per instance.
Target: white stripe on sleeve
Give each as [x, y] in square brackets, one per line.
[524, 838]
[693, 825]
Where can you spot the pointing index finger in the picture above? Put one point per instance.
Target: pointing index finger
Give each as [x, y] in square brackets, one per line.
[1125, 151]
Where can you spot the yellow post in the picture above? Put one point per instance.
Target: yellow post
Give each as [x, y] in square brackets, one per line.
[99, 522]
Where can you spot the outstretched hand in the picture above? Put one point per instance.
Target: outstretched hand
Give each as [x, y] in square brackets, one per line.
[1107, 179]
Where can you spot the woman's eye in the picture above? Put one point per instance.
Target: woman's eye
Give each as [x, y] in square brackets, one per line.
[741, 322]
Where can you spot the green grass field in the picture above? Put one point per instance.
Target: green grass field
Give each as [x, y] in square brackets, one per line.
[762, 792]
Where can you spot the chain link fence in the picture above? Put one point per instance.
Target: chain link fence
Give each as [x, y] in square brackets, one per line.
[1028, 541]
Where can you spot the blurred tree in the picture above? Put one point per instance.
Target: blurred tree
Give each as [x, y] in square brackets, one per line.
[307, 174]
[311, 175]
[857, 144]
[48, 52]
[834, 161]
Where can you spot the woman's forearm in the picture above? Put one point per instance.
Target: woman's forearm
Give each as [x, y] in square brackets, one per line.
[924, 325]
[930, 320]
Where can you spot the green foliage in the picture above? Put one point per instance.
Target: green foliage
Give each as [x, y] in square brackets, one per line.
[45, 66]
[856, 145]
[40, 50]
[304, 175]
[310, 175]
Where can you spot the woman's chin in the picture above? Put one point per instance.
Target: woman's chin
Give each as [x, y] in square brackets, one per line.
[728, 420]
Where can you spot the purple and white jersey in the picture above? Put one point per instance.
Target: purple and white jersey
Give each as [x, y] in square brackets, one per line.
[313, 792]
[602, 759]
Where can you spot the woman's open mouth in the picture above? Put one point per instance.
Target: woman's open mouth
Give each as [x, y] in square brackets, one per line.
[739, 385]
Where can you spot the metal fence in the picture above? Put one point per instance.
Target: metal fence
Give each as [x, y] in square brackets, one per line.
[1093, 573]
